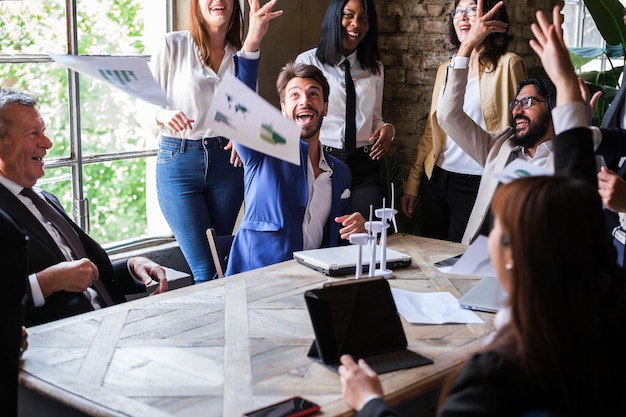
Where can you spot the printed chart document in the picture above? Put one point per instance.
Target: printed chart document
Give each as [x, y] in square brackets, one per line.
[129, 74]
[240, 114]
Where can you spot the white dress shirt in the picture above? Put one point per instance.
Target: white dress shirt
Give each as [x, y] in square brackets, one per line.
[369, 97]
[190, 86]
[318, 206]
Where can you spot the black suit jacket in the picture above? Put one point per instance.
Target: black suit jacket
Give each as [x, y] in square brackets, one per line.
[612, 119]
[44, 252]
[13, 258]
[574, 156]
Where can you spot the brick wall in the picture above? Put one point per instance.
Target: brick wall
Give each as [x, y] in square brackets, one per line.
[413, 38]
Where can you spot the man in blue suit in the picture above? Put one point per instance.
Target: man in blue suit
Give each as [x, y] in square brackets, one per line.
[289, 207]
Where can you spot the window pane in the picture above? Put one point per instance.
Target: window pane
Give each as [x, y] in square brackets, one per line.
[117, 27]
[117, 199]
[571, 14]
[591, 36]
[116, 192]
[58, 181]
[109, 122]
[48, 81]
[32, 26]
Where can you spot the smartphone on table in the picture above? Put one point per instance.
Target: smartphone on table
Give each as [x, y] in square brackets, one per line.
[291, 407]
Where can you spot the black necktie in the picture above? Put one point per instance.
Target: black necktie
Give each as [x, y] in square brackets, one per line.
[61, 224]
[350, 139]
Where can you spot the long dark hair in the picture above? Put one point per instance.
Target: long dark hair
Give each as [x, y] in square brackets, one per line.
[201, 37]
[567, 293]
[330, 44]
[495, 44]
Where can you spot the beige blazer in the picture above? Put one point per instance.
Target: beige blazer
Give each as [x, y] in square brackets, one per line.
[492, 150]
[497, 87]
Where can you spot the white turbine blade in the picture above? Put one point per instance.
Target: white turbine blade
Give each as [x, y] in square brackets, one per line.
[393, 206]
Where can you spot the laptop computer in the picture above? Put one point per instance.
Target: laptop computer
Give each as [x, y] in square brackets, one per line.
[342, 260]
[359, 318]
[487, 295]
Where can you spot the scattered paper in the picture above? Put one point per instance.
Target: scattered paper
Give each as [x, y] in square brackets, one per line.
[520, 168]
[240, 114]
[431, 308]
[475, 260]
[129, 74]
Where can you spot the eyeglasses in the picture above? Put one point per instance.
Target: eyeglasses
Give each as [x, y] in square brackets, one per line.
[524, 103]
[469, 12]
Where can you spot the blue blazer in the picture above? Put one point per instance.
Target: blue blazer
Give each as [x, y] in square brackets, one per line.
[276, 196]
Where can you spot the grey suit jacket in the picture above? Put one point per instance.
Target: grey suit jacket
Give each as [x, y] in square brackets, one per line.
[491, 150]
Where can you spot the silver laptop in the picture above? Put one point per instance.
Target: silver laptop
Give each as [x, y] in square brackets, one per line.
[342, 260]
[487, 295]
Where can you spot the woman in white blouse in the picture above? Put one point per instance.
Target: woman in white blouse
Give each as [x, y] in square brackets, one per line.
[349, 33]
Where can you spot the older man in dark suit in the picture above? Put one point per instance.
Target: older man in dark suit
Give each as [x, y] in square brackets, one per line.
[69, 273]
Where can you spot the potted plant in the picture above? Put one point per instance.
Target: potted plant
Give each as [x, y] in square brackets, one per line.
[609, 18]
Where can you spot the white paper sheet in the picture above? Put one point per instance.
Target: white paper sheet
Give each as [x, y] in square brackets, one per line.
[520, 168]
[475, 260]
[431, 308]
[240, 114]
[129, 74]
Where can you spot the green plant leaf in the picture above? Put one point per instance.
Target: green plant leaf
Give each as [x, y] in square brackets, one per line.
[608, 15]
[582, 56]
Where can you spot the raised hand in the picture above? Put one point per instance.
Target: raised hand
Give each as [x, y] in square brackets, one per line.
[260, 18]
[482, 26]
[550, 47]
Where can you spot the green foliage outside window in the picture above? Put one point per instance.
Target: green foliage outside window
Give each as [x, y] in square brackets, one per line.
[116, 190]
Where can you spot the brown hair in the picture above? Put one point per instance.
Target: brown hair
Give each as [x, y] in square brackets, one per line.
[200, 35]
[293, 70]
[567, 294]
[495, 44]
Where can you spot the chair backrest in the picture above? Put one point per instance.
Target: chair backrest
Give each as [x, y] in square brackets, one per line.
[14, 261]
[220, 245]
[220, 249]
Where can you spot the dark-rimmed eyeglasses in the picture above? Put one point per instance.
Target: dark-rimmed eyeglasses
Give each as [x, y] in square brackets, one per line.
[524, 103]
[469, 12]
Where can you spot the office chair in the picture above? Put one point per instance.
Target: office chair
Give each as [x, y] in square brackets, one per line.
[220, 245]
[14, 261]
[220, 249]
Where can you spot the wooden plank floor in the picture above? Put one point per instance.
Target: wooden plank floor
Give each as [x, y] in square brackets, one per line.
[230, 345]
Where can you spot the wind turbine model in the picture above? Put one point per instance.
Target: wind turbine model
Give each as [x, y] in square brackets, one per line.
[370, 238]
[359, 239]
[385, 214]
[373, 228]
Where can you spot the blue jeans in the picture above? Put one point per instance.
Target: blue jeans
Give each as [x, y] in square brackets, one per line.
[198, 188]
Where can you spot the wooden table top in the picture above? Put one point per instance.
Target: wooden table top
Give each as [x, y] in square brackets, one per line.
[231, 345]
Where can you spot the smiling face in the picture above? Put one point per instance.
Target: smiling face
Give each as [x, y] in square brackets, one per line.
[23, 149]
[304, 103]
[355, 25]
[531, 125]
[463, 24]
[216, 12]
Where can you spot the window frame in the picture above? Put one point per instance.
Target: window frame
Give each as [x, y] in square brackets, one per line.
[76, 160]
